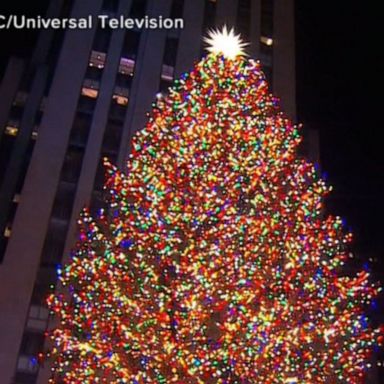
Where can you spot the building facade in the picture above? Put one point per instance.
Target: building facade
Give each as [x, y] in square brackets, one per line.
[81, 97]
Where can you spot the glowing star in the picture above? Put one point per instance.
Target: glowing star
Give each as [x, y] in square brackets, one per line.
[225, 43]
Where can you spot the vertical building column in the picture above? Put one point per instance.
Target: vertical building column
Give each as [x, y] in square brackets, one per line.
[190, 37]
[145, 78]
[15, 164]
[98, 127]
[284, 74]
[8, 88]
[44, 41]
[18, 272]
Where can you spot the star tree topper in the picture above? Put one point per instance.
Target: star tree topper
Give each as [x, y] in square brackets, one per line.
[225, 42]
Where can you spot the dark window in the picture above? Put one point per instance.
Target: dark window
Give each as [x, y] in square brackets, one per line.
[72, 165]
[177, 9]
[86, 104]
[46, 278]
[164, 86]
[66, 8]
[138, 8]
[54, 243]
[32, 344]
[94, 73]
[25, 378]
[65, 196]
[110, 5]
[6, 146]
[170, 51]
[100, 174]
[38, 117]
[80, 129]
[209, 15]
[26, 81]
[102, 39]
[266, 55]
[16, 113]
[25, 166]
[244, 18]
[268, 74]
[98, 200]
[117, 111]
[267, 18]
[123, 81]
[112, 136]
[3, 245]
[99, 179]
[131, 44]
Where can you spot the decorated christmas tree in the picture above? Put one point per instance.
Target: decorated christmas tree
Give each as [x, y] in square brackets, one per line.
[214, 262]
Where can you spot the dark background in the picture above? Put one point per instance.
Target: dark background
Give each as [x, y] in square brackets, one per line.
[339, 67]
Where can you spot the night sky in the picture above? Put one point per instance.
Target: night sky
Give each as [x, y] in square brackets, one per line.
[339, 66]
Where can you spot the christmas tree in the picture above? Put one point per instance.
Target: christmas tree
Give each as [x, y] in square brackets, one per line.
[214, 262]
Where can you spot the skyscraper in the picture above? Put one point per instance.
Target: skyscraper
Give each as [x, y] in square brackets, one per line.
[81, 97]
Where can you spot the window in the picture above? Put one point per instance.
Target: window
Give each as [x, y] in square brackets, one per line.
[65, 196]
[167, 73]
[38, 318]
[138, 8]
[268, 74]
[90, 88]
[94, 73]
[117, 111]
[54, 243]
[120, 100]
[86, 104]
[177, 9]
[80, 129]
[24, 169]
[110, 5]
[97, 200]
[3, 247]
[24, 377]
[131, 45]
[46, 278]
[20, 98]
[244, 18]
[11, 131]
[112, 137]
[209, 15]
[267, 18]
[31, 345]
[266, 55]
[102, 39]
[72, 165]
[124, 81]
[170, 51]
[97, 60]
[126, 66]
[89, 92]
[164, 86]
[100, 177]
[6, 146]
[16, 112]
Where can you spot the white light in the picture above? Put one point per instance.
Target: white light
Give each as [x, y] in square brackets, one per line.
[266, 40]
[225, 42]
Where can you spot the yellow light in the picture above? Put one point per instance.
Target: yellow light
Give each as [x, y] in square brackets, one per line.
[7, 232]
[266, 40]
[89, 92]
[11, 131]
